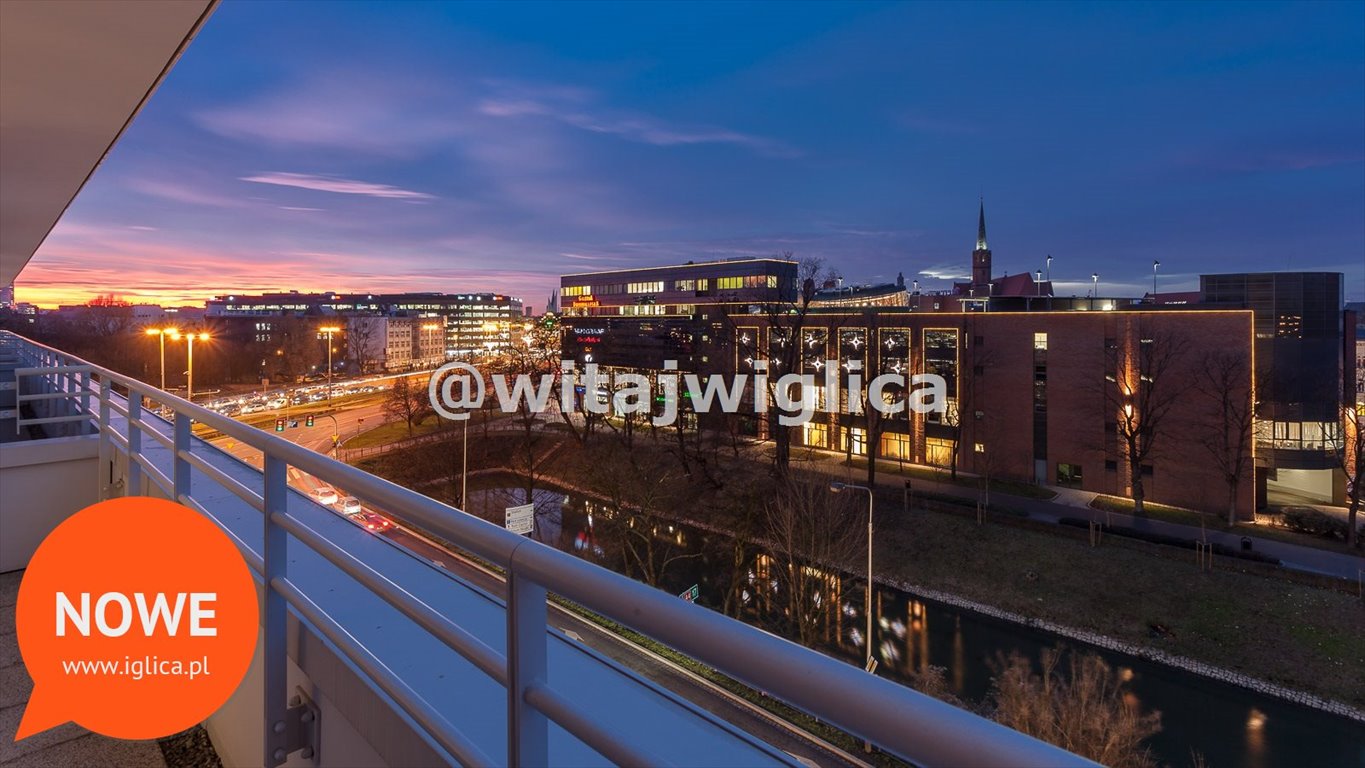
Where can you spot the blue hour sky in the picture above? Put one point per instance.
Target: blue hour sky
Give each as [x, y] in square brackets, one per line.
[387, 147]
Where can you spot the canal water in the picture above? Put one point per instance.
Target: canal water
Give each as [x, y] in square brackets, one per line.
[1227, 725]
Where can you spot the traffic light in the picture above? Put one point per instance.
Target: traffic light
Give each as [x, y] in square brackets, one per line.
[309, 420]
[279, 425]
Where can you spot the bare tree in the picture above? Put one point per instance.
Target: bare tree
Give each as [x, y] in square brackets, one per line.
[1353, 464]
[407, 401]
[1224, 384]
[815, 536]
[1143, 385]
[1082, 708]
[533, 351]
[363, 348]
[641, 490]
[300, 346]
[787, 320]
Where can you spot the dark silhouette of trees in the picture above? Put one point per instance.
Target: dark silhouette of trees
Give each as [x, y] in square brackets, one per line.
[1078, 704]
[1223, 383]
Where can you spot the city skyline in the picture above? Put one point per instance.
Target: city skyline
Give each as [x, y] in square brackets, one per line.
[479, 147]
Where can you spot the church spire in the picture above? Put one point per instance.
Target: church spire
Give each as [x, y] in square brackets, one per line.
[981, 227]
[981, 257]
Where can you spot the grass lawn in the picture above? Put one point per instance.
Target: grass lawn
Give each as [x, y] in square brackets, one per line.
[391, 432]
[394, 431]
[1219, 523]
[889, 468]
[1294, 634]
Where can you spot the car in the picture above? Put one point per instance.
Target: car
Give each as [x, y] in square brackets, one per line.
[324, 495]
[350, 506]
[371, 521]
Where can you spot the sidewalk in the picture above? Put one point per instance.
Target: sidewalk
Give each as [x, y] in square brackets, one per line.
[1073, 503]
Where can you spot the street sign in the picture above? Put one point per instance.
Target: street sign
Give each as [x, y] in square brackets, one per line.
[522, 519]
[691, 595]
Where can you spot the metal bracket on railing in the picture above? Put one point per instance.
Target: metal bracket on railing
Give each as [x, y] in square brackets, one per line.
[301, 728]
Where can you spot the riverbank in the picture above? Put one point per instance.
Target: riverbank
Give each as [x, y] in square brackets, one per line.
[1241, 622]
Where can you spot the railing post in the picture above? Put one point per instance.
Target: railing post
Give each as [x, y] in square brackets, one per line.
[85, 400]
[181, 466]
[526, 631]
[105, 470]
[134, 487]
[274, 655]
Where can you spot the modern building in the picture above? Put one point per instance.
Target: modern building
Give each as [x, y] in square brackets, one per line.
[481, 323]
[1045, 397]
[857, 296]
[638, 318]
[474, 323]
[1305, 373]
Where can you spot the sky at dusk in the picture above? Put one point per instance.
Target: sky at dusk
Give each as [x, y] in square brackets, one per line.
[463, 147]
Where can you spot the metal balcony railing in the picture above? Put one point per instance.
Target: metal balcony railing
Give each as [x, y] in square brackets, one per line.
[914, 727]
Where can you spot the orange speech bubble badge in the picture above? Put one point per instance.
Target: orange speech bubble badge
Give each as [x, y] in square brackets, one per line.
[137, 618]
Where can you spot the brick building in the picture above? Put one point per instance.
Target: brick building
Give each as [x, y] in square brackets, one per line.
[1039, 396]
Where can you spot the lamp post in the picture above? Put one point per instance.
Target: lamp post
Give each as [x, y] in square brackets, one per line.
[1094, 288]
[1049, 267]
[189, 358]
[1155, 264]
[161, 334]
[329, 330]
[1039, 282]
[838, 487]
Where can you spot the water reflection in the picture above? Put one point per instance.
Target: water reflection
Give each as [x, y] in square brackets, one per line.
[1227, 726]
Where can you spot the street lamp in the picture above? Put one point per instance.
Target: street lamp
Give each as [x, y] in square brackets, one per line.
[162, 333]
[1039, 282]
[189, 362]
[837, 487]
[1049, 267]
[329, 330]
[1094, 288]
[1155, 264]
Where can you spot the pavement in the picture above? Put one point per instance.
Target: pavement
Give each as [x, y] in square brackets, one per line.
[1070, 502]
[65, 745]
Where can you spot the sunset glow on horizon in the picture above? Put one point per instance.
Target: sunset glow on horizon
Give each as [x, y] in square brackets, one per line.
[469, 147]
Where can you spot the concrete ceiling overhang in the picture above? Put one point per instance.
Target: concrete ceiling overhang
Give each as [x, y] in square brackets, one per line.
[73, 75]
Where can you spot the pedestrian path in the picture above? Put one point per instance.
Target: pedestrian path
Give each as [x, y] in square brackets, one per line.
[1072, 503]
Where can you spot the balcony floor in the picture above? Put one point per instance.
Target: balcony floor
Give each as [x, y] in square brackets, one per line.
[64, 745]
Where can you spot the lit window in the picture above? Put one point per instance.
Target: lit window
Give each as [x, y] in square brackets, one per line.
[1040, 341]
[980, 447]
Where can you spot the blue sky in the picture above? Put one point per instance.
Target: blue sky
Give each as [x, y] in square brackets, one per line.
[383, 147]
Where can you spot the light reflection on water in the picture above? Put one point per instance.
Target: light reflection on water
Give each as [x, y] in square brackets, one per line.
[1228, 726]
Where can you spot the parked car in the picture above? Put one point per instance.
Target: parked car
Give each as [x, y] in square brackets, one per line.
[324, 495]
[350, 506]
[371, 521]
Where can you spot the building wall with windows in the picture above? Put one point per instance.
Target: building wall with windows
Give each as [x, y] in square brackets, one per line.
[482, 323]
[1034, 397]
[472, 323]
[676, 289]
[1302, 372]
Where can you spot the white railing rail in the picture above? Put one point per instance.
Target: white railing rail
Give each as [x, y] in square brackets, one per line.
[910, 725]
